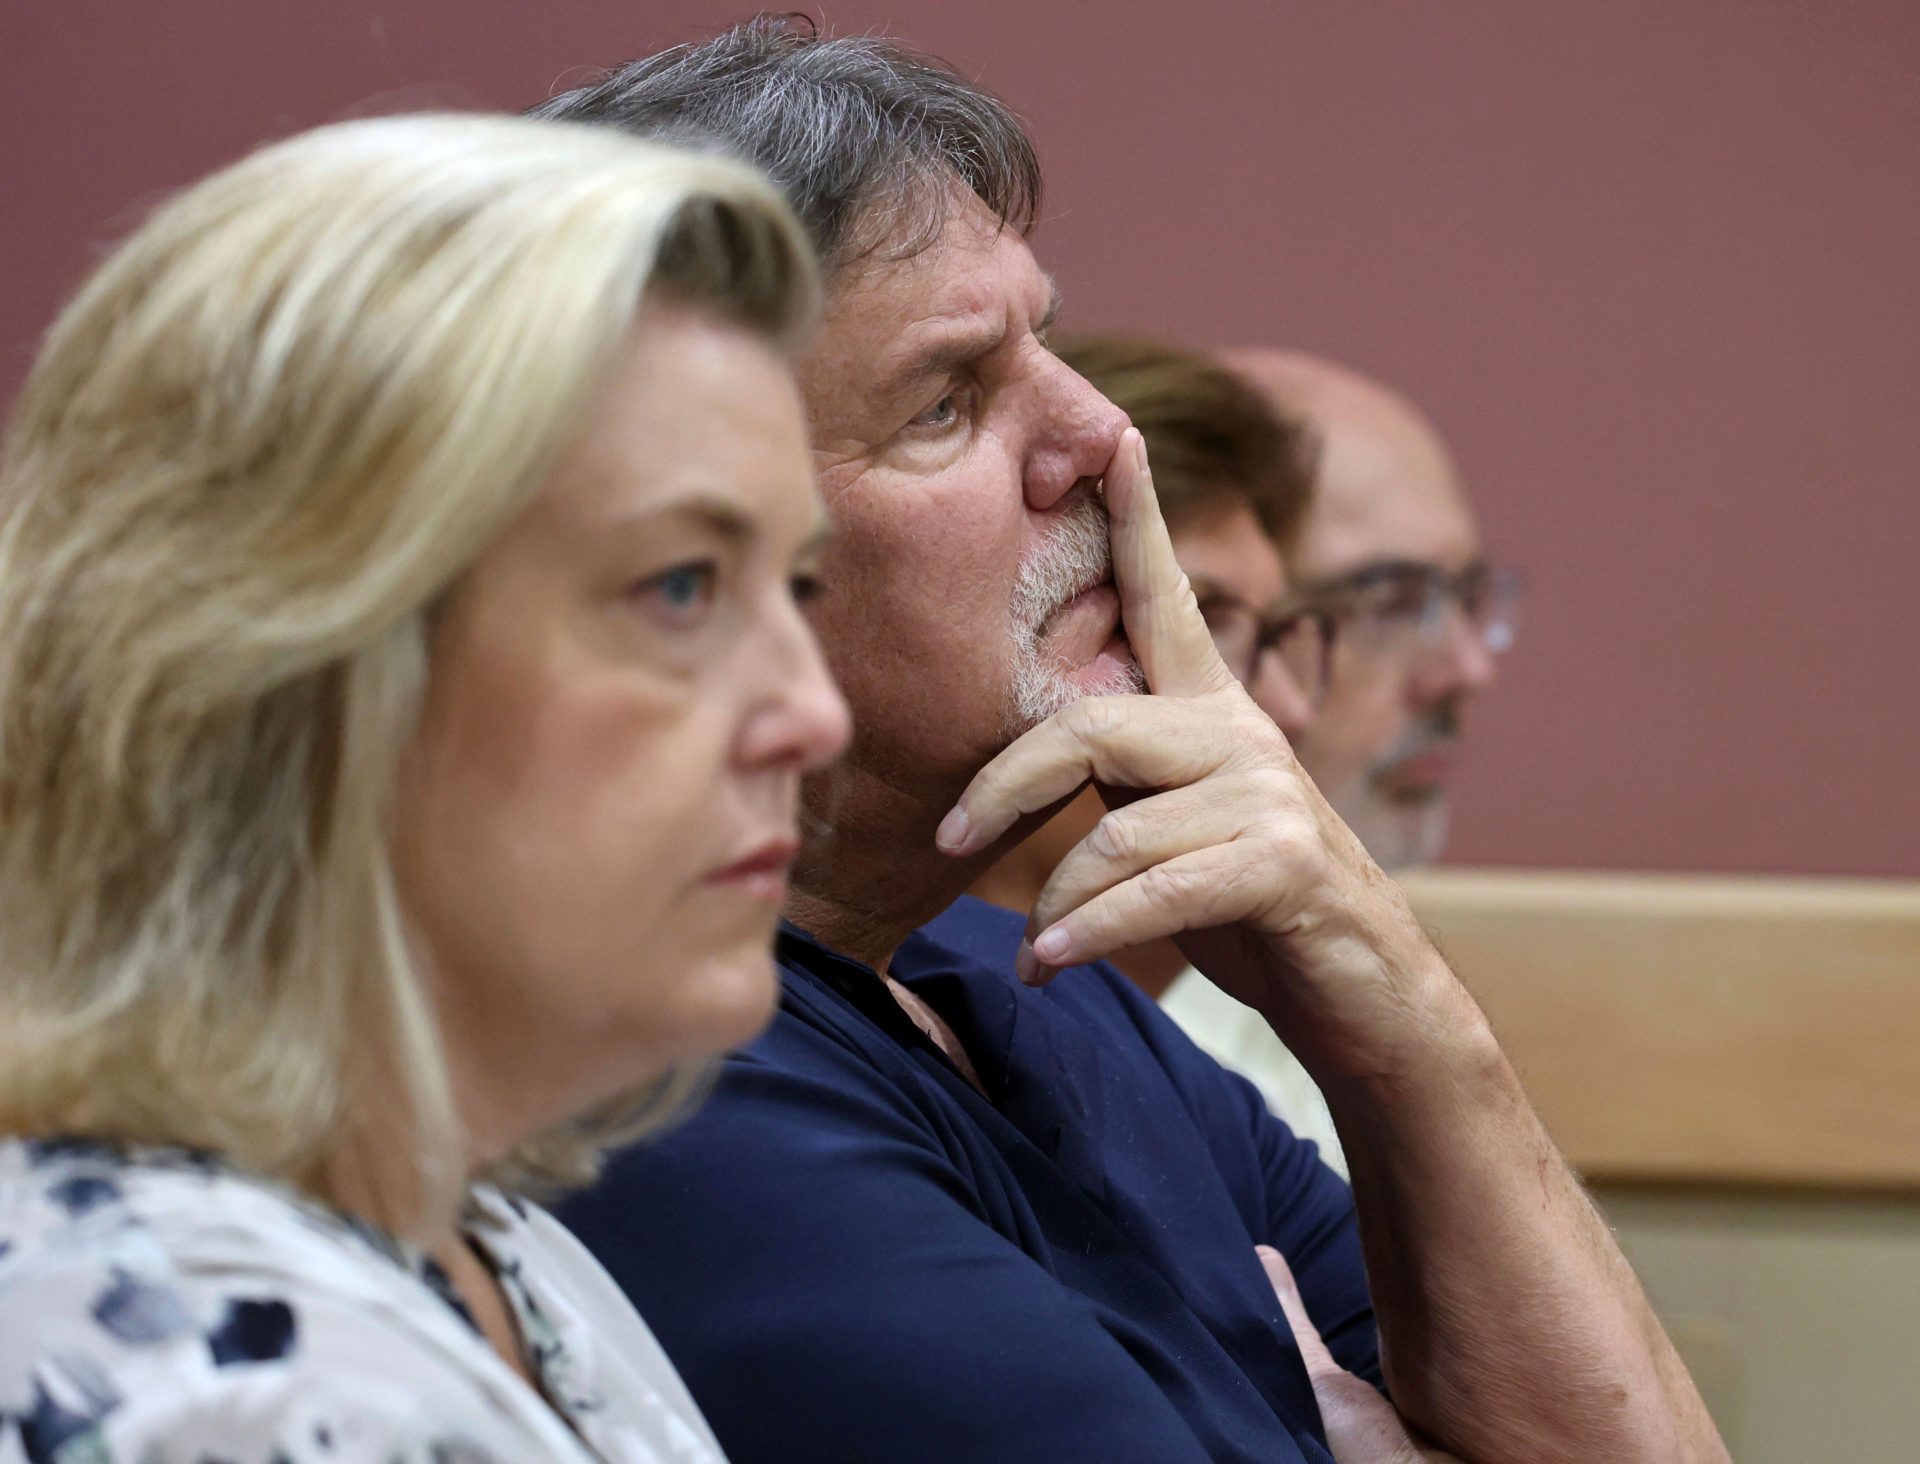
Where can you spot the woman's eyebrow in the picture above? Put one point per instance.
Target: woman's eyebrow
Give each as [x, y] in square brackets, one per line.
[824, 529]
[704, 508]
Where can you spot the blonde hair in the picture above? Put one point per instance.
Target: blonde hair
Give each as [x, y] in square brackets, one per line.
[255, 452]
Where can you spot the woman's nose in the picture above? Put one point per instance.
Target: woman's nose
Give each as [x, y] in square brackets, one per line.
[804, 723]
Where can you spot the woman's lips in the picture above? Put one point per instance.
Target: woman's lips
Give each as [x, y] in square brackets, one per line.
[762, 873]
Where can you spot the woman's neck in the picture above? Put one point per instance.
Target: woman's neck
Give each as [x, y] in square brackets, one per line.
[399, 1203]
[478, 1286]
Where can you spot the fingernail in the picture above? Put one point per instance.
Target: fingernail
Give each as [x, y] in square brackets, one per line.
[952, 833]
[1025, 966]
[1053, 946]
[1140, 451]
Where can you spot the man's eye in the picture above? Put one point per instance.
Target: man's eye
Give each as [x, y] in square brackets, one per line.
[939, 414]
[681, 594]
[1473, 589]
[1400, 599]
[1218, 612]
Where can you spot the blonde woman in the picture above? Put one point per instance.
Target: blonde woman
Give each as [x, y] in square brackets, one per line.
[402, 704]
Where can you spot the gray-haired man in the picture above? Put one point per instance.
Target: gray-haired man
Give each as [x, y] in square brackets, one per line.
[938, 1214]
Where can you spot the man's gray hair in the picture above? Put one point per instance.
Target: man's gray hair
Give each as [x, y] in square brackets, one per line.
[860, 133]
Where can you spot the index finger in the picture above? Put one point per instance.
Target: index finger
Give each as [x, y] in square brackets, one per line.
[1164, 626]
[1313, 1351]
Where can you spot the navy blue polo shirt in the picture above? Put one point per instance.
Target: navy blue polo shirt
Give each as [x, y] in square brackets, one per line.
[852, 1254]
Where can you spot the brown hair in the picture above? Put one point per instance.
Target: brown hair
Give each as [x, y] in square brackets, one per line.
[1214, 439]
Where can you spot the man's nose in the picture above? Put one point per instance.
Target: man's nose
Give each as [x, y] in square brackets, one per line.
[1458, 663]
[1276, 693]
[1077, 432]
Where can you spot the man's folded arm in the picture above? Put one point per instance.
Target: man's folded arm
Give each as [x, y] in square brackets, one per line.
[1312, 1223]
[1291, 1199]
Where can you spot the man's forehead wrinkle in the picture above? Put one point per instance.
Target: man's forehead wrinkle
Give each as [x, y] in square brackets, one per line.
[892, 326]
[976, 312]
[902, 316]
[970, 264]
[934, 336]
[941, 334]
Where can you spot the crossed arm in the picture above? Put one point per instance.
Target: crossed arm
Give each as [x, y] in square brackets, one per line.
[1511, 1326]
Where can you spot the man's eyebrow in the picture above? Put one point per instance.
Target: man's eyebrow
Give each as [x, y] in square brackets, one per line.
[1374, 571]
[958, 346]
[941, 355]
[1051, 316]
[1382, 571]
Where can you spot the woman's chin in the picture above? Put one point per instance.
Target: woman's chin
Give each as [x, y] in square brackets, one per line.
[738, 993]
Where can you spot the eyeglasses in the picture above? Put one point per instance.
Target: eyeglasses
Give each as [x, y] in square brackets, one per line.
[1400, 607]
[1301, 636]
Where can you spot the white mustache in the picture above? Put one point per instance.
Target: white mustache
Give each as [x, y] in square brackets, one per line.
[1075, 556]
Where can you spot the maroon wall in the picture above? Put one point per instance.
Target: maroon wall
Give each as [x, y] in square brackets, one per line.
[1652, 267]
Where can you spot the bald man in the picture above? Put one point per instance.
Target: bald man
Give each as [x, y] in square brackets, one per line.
[1389, 545]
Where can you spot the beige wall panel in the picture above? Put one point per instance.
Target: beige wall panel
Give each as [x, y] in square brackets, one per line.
[1753, 1031]
[1798, 1315]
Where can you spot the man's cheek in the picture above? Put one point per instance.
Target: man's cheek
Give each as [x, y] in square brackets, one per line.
[958, 565]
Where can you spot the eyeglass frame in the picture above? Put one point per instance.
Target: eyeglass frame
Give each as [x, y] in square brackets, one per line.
[1272, 627]
[1500, 588]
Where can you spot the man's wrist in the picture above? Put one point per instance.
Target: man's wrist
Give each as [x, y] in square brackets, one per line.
[1439, 1044]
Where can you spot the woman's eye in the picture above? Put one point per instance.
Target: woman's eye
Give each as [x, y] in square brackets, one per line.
[682, 593]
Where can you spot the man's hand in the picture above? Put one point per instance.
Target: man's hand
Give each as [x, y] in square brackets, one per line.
[1361, 1426]
[1213, 835]
[1512, 1330]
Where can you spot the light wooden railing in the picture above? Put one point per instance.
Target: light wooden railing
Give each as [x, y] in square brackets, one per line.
[1702, 1029]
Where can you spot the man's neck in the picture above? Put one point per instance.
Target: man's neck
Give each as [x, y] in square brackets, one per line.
[869, 874]
[1016, 881]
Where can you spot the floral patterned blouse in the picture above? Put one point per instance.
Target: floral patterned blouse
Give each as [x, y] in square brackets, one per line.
[160, 1307]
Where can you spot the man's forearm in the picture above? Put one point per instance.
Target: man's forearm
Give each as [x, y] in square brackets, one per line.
[1511, 1326]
